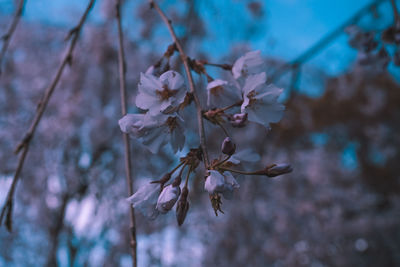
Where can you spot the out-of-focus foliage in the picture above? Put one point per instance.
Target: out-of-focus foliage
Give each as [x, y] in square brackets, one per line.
[340, 206]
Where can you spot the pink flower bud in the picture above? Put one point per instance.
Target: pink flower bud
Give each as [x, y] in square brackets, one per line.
[239, 120]
[182, 207]
[278, 170]
[228, 147]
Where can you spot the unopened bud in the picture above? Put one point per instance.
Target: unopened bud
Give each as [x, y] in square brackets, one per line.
[177, 181]
[239, 120]
[228, 147]
[168, 198]
[279, 169]
[182, 207]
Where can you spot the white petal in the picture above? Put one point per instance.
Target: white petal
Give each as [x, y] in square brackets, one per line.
[230, 180]
[155, 139]
[145, 200]
[166, 105]
[265, 114]
[230, 185]
[254, 81]
[150, 70]
[173, 79]
[179, 98]
[168, 198]
[214, 182]
[246, 63]
[130, 123]
[149, 84]
[147, 101]
[216, 83]
[238, 67]
[178, 138]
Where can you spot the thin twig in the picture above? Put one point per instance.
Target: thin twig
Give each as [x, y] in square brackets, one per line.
[223, 129]
[323, 42]
[128, 170]
[185, 61]
[7, 36]
[395, 13]
[24, 144]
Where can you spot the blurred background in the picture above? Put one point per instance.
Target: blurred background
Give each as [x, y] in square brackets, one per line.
[339, 207]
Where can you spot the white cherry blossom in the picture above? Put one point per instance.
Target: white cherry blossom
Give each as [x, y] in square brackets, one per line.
[160, 95]
[145, 200]
[220, 93]
[250, 63]
[154, 131]
[221, 183]
[261, 101]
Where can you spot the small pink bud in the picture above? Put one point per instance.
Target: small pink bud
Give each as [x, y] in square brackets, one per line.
[239, 120]
[228, 147]
[182, 207]
[279, 169]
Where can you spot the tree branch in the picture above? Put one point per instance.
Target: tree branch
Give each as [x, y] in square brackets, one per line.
[128, 170]
[395, 13]
[7, 36]
[24, 144]
[324, 41]
[185, 61]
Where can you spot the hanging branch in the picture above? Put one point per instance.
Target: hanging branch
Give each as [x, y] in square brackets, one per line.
[24, 144]
[185, 61]
[395, 13]
[7, 36]
[128, 170]
[323, 42]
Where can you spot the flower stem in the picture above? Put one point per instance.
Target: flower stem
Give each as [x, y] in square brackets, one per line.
[187, 178]
[223, 128]
[177, 167]
[237, 104]
[7, 36]
[128, 167]
[222, 162]
[395, 13]
[184, 59]
[241, 172]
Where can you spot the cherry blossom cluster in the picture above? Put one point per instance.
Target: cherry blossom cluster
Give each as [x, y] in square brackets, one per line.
[243, 98]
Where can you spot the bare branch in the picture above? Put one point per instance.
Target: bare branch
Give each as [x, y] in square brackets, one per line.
[324, 41]
[26, 141]
[128, 170]
[395, 13]
[185, 61]
[7, 36]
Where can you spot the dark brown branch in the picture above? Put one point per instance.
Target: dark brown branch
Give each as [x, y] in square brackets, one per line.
[26, 141]
[325, 41]
[128, 170]
[395, 13]
[185, 61]
[7, 36]
[55, 231]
